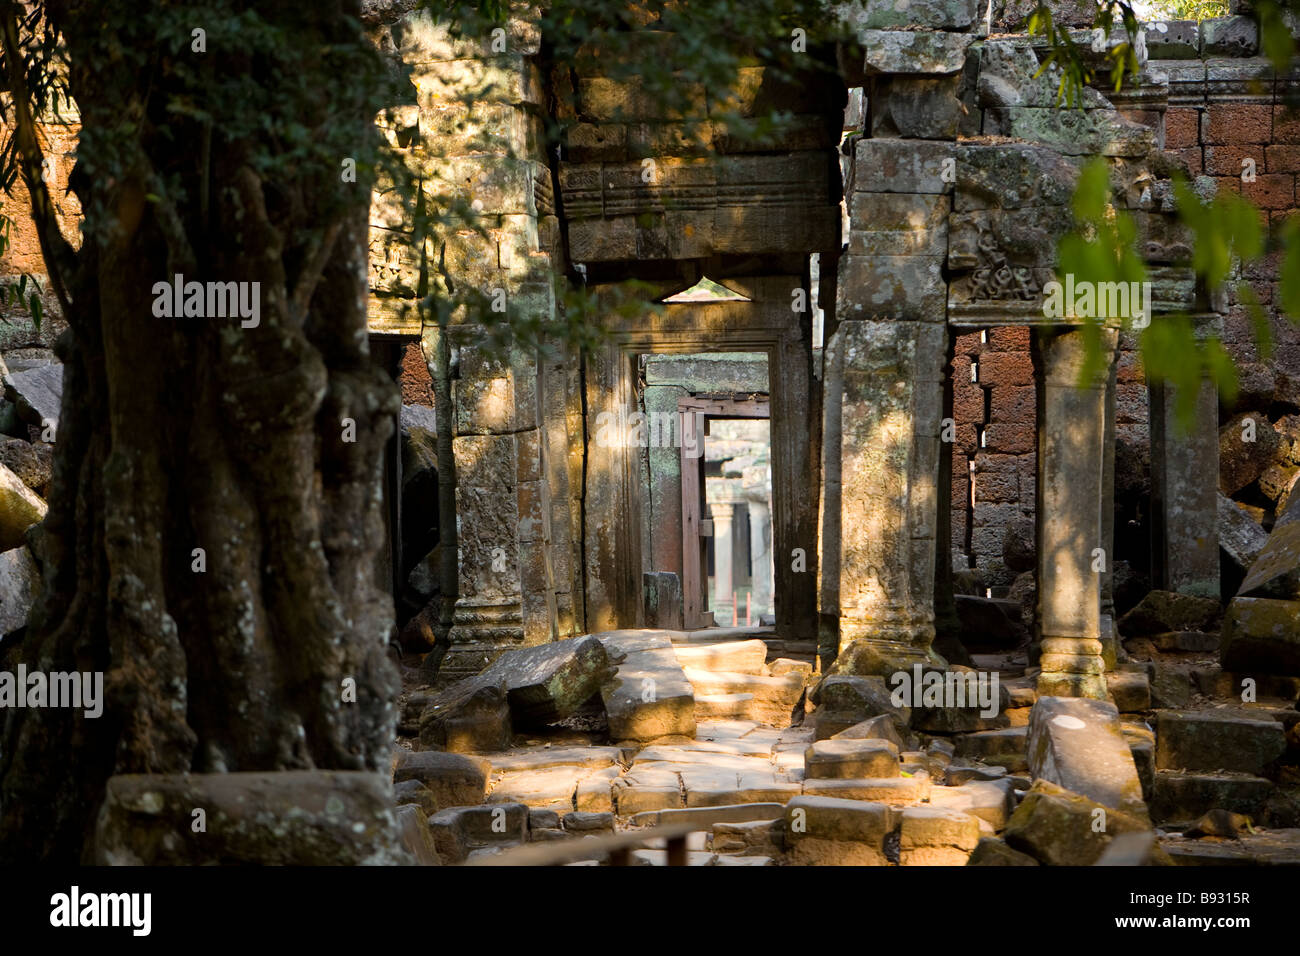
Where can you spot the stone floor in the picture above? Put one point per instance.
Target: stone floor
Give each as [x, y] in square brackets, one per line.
[760, 787]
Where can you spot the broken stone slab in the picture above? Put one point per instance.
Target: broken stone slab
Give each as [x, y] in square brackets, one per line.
[1276, 571]
[1078, 744]
[1180, 798]
[994, 852]
[458, 831]
[1061, 828]
[20, 508]
[1261, 635]
[955, 776]
[453, 779]
[991, 800]
[1217, 741]
[1162, 611]
[908, 51]
[38, 394]
[851, 759]
[648, 695]
[937, 836]
[1240, 536]
[20, 583]
[880, 727]
[414, 835]
[477, 723]
[543, 683]
[283, 818]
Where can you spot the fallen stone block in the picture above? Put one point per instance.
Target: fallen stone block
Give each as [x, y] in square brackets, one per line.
[284, 818]
[1240, 536]
[955, 776]
[1078, 744]
[993, 852]
[20, 584]
[453, 779]
[413, 832]
[1276, 571]
[751, 838]
[844, 700]
[1130, 691]
[1217, 741]
[851, 759]
[458, 831]
[991, 800]
[1261, 634]
[875, 728]
[20, 508]
[38, 394]
[582, 822]
[1162, 611]
[937, 836]
[415, 793]
[543, 683]
[1060, 828]
[825, 830]
[477, 723]
[648, 695]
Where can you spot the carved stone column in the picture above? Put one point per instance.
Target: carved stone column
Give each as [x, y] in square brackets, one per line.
[1071, 549]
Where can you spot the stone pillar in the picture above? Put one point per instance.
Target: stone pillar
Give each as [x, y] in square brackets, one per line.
[1071, 459]
[1184, 492]
[760, 555]
[723, 561]
[1109, 638]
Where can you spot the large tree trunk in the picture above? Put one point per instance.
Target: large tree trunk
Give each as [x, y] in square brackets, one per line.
[197, 433]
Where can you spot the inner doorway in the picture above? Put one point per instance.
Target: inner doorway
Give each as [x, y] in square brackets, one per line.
[727, 575]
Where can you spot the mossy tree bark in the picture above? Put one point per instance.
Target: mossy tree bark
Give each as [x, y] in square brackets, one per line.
[199, 433]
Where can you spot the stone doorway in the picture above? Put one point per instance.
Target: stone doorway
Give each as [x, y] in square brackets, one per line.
[635, 525]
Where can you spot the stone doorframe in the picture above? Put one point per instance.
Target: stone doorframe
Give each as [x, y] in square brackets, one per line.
[694, 526]
[616, 550]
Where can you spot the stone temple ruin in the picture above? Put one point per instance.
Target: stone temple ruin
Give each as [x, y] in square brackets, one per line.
[934, 495]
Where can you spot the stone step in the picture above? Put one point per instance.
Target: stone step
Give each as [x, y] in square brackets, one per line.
[773, 698]
[851, 759]
[1183, 798]
[741, 657]
[724, 706]
[1265, 848]
[995, 746]
[1218, 740]
[895, 791]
